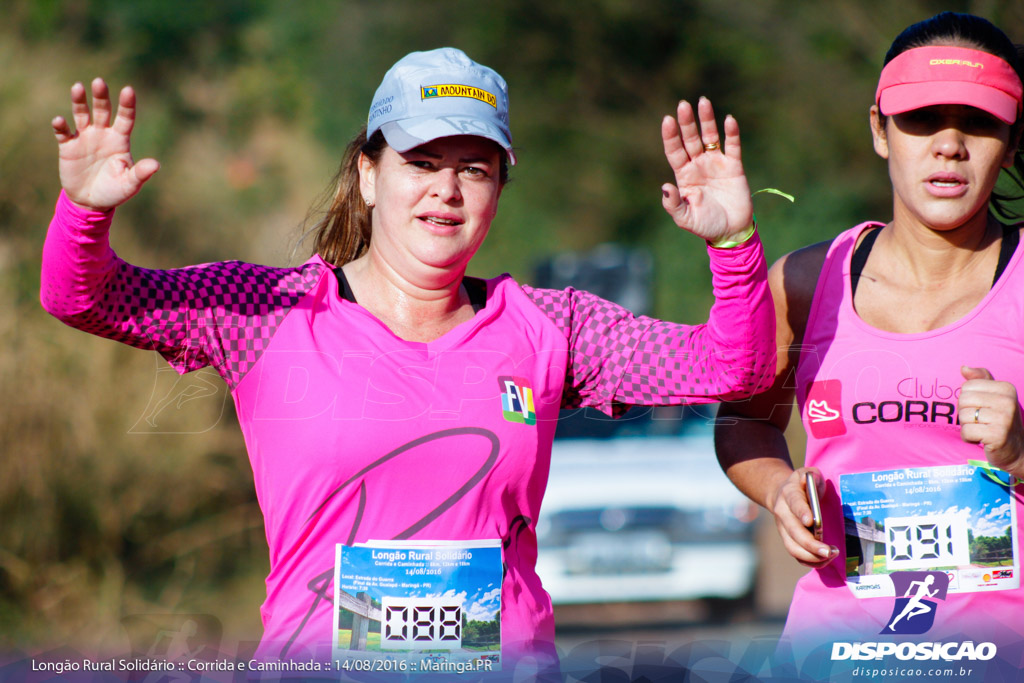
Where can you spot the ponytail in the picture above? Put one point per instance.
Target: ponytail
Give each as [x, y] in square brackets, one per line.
[343, 234]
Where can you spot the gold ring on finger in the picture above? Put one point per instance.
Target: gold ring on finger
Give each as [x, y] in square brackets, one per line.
[710, 146]
[977, 413]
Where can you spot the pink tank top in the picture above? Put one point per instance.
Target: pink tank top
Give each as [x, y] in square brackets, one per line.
[879, 409]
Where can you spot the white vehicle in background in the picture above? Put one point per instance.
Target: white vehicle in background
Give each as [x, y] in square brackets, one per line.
[638, 509]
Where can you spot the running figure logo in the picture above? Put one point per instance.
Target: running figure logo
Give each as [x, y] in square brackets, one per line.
[914, 612]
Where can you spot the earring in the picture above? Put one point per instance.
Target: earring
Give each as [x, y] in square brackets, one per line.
[369, 203]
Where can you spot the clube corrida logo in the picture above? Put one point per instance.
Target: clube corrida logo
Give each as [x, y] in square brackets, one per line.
[919, 596]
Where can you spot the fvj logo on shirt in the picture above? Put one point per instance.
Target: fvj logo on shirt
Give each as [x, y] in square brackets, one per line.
[825, 409]
[914, 612]
[517, 400]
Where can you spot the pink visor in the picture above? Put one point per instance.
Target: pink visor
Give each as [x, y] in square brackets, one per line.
[937, 74]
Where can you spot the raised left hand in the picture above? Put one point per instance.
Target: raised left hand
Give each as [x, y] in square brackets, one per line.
[989, 415]
[711, 197]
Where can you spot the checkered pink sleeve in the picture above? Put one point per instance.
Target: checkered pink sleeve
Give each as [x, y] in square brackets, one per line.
[618, 359]
[219, 314]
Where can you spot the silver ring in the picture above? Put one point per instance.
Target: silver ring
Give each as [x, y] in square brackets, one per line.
[977, 412]
[711, 146]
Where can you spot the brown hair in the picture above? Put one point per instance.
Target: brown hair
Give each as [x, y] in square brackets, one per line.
[343, 234]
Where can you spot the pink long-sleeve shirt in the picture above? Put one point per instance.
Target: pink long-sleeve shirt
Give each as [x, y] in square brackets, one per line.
[356, 434]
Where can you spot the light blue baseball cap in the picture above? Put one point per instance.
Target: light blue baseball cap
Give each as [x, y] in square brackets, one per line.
[436, 94]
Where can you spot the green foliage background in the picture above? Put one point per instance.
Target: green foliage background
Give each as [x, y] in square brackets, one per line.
[113, 503]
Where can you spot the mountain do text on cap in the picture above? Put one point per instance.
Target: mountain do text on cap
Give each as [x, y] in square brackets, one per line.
[440, 93]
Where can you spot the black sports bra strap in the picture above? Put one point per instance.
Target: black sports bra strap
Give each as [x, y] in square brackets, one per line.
[477, 291]
[344, 290]
[860, 257]
[475, 288]
[1011, 237]
[1010, 241]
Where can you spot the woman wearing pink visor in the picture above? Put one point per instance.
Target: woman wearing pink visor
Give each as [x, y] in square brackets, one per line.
[905, 354]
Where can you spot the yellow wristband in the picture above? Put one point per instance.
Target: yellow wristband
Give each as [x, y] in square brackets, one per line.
[736, 239]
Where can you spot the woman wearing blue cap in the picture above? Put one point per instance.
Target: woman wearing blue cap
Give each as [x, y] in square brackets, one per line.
[388, 399]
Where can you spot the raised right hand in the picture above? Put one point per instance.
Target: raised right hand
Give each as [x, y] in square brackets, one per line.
[711, 197]
[96, 167]
[793, 516]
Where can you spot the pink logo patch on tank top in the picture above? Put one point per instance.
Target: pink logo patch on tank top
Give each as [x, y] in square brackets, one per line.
[824, 409]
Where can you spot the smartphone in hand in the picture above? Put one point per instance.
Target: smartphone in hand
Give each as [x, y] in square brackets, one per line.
[812, 499]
